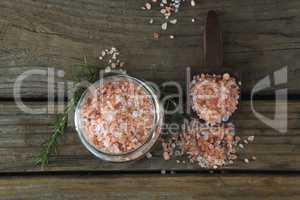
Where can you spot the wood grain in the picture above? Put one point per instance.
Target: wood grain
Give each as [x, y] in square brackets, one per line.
[260, 37]
[213, 42]
[21, 136]
[213, 187]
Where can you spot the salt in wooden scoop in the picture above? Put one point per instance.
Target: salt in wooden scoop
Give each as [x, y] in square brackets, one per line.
[213, 55]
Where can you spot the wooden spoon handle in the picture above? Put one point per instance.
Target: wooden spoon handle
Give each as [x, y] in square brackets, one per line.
[213, 43]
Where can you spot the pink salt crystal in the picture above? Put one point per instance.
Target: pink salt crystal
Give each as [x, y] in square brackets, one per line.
[166, 155]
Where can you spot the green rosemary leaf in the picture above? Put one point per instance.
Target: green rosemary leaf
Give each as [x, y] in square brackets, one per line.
[86, 72]
[58, 131]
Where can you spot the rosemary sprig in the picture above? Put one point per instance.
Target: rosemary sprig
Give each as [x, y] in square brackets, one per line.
[85, 72]
[58, 131]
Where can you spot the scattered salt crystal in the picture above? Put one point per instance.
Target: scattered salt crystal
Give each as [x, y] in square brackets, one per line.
[246, 160]
[107, 69]
[246, 141]
[156, 35]
[163, 171]
[251, 138]
[226, 76]
[164, 26]
[148, 155]
[163, 11]
[171, 36]
[173, 21]
[166, 156]
[193, 3]
[177, 161]
[253, 157]
[241, 146]
[151, 21]
[148, 6]
[193, 20]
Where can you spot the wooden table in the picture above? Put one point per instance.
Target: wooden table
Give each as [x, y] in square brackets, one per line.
[261, 36]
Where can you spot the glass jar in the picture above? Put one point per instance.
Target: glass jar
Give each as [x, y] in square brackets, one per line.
[152, 136]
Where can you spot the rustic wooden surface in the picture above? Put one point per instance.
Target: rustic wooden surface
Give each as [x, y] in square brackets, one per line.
[195, 187]
[260, 37]
[22, 135]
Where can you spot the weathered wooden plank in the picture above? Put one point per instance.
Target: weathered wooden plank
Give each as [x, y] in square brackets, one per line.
[214, 187]
[21, 136]
[259, 36]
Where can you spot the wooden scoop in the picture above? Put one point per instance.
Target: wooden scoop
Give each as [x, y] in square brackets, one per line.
[213, 42]
[213, 49]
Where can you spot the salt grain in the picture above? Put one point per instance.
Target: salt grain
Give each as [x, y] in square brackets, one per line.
[193, 3]
[107, 69]
[164, 26]
[163, 11]
[251, 138]
[173, 145]
[173, 21]
[148, 6]
[156, 35]
[148, 155]
[166, 156]
[246, 160]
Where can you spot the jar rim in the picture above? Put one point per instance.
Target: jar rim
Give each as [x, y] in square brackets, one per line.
[152, 135]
